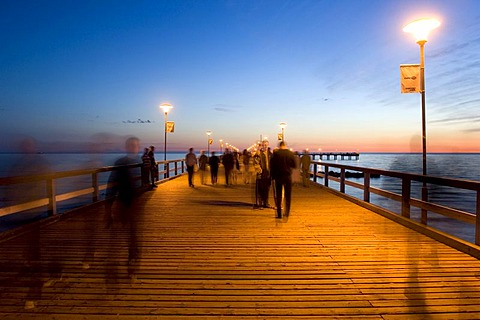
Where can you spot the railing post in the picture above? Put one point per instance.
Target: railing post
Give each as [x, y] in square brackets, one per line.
[366, 187]
[424, 213]
[183, 166]
[95, 186]
[52, 203]
[315, 168]
[167, 169]
[176, 168]
[325, 182]
[342, 180]
[406, 189]
[477, 221]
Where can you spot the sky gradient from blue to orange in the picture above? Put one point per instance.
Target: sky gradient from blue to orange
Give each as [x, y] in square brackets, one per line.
[72, 71]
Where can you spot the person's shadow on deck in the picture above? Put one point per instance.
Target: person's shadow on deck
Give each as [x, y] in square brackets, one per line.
[223, 203]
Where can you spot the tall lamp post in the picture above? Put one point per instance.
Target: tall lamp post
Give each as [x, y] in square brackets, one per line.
[166, 107]
[420, 29]
[283, 125]
[209, 133]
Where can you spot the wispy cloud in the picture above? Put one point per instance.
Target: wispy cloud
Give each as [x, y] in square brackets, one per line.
[457, 119]
[226, 107]
[138, 121]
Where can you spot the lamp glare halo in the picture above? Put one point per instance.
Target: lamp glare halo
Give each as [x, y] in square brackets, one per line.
[421, 28]
[166, 107]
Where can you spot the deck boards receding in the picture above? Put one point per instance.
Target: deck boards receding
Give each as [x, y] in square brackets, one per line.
[207, 253]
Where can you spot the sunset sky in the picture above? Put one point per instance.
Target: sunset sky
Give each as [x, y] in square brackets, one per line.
[82, 71]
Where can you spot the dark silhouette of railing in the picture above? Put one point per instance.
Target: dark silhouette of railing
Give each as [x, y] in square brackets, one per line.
[405, 198]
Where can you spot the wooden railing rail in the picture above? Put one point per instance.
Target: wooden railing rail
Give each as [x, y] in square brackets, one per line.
[405, 198]
[51, 183]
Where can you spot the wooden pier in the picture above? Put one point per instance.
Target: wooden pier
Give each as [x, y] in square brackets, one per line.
[206, 253]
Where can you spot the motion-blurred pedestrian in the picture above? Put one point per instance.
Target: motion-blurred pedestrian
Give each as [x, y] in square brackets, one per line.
[191, 162]
[282, 164]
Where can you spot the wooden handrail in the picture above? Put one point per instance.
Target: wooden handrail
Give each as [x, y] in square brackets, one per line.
[405, 198]
[50, 180]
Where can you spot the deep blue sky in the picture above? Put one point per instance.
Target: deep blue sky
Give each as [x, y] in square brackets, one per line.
[71, 70]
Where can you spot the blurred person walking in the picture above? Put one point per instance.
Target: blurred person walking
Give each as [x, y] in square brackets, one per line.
[282, 164]
[191, 162]
[305, 162]
[265, 179]
[214, 162]
[202, 166]
[246, 166]
[121, 216]
[228, 163]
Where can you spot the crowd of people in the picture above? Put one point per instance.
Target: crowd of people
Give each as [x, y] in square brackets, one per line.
[281, 168]
[277, 169]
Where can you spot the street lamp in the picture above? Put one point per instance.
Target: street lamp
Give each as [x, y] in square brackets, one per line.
[420, 29]
[166, 107]
[209, 133]
[283, 125]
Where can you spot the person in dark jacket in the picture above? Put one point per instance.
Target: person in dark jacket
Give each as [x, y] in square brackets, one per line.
[146, 169]
[228, 163]
[281, 166]
[213, 162]
[265, 180]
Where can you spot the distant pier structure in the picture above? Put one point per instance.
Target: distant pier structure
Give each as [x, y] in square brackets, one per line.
[335, 155]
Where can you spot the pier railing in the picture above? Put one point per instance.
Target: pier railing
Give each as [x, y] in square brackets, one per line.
[85, 183]
[405, 198]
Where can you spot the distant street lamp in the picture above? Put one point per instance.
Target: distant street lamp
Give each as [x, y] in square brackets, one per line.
[420, 29]
[209, 133]
[221, 145]
[283, 125]
[166, 107]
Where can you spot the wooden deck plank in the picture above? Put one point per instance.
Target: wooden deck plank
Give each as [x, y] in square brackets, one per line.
[207, 253]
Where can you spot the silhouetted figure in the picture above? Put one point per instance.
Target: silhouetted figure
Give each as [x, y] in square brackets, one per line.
[282, 164]
[153, 166]
[305, 162]
[296, 173]
[236, 167]
[190, 161]
[121, 217]
[147, 169]
[246, 166]
[202, 166]
[265, 180]
[214, 162]
[228, 163]
[39, 271]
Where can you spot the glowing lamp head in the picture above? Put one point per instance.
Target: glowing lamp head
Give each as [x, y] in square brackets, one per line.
[209, 133]
[166, 107]
[421, 28]
[283, 125]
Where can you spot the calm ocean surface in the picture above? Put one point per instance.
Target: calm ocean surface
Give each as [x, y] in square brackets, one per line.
[461, 166]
